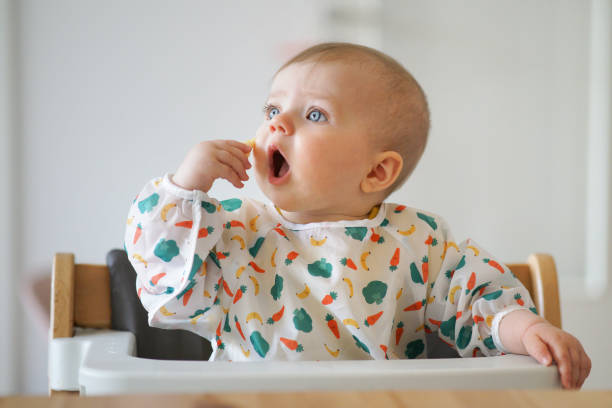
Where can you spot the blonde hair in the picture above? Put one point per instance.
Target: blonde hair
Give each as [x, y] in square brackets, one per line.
[406, 103]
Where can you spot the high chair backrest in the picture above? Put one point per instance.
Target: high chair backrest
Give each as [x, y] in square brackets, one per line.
[80, 293]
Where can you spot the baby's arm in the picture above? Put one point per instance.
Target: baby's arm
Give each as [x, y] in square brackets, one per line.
[171, 232]
[522, 332]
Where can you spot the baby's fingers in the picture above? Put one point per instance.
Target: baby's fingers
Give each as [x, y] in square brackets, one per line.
[230, 175]
[563, 358]
[229, 159]
[538, 350]
[585, 366]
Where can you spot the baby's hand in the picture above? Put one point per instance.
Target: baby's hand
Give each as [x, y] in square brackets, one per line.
[208, 161]
[545, 342]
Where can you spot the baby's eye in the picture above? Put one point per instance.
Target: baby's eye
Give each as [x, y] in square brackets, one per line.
[316, 116]
[272, 112]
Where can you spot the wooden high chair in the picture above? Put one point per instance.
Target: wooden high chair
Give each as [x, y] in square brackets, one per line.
[80, 294]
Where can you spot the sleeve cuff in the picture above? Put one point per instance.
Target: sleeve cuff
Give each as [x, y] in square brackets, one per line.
[173, 189]
[495, 326]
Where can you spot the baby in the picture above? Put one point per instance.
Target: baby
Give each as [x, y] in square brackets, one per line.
[328, 270]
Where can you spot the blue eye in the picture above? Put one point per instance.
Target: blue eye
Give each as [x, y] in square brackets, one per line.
[272, 112]
[317, 116]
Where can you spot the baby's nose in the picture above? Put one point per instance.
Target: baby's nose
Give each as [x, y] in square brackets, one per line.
[284, 127]
[277, 126]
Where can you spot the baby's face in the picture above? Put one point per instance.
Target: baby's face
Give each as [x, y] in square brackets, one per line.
[314, 144]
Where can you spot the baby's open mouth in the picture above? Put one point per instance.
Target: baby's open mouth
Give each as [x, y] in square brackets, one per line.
[279, 166]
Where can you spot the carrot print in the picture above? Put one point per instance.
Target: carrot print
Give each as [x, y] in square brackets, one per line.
[399, 209]
[384, 348]
[518, 299]
[239, 293]
[234, 223]
[138, 232]
[493, 264]
[220, 344]
[416, 305]
[280, 231]
[471, 283]
[478, 319]
[157, 277]
[256, 267]
[227, 289]
[186, 297]
[291, 257]
[276, 316]
[348, 262]
[398, 332]
[333, 325]
[292, 344]
[435, 322]
[394, 260]
[184, 224]
[425, 268]
[329, 298]
[239, 328]
[376, 237]
[429, 240]
[203, 232]
[371, 320]
[222, 255]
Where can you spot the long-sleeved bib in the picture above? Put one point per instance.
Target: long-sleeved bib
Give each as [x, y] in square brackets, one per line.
[260, 287]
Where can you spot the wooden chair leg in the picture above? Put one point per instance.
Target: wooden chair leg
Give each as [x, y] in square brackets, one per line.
[545, 287]
[62, 296]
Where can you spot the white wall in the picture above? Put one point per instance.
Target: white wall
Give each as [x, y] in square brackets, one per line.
[8, 203]
[113, 93]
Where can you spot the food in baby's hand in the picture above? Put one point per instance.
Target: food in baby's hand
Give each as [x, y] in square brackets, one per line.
[251, 142]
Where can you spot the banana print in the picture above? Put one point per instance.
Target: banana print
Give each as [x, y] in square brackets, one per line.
[449, 244]
[272, 261]
[239, 271]
[194, 320]
[239, 239]
[255, 284]
[334, 354]
[304, 294]
[407, 232]
[354, 293]
[315, 242]
[139, 258]
[254, 315]
[350, 322]
[164, 211]
[473, 248]
[363, 258]
[451, 294]
[165, 311]
[349, 283]
[253, 223]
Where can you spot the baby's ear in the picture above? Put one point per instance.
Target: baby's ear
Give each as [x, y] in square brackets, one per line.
[383, 173]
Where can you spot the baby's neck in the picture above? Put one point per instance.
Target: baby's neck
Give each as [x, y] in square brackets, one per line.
[305, 217]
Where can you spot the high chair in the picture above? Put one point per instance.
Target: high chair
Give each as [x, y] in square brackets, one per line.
[86, 356]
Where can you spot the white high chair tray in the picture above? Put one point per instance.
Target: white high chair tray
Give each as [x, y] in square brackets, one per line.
[102, 362]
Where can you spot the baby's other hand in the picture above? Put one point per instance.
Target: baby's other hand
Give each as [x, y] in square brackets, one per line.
[546, 343]
[210, 160]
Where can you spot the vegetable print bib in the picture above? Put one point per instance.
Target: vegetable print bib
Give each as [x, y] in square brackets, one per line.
[262, 288]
